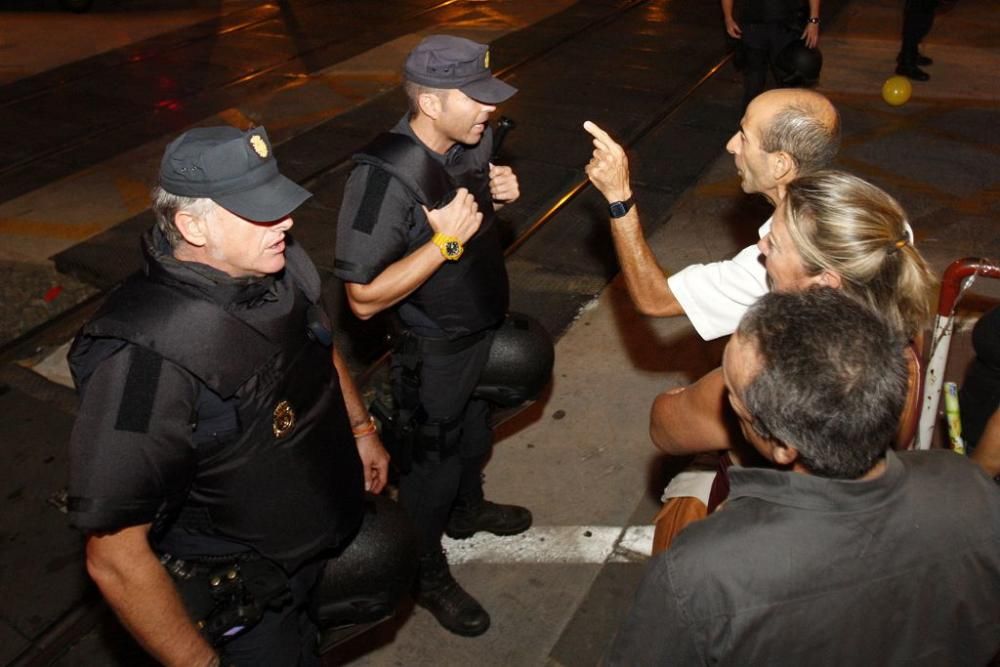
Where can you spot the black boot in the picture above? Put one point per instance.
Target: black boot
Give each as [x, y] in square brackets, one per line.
[911, 71]
[440, 594]
[921, 60]
[469, 518]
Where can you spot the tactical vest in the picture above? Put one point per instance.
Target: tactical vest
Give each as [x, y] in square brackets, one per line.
[472, 294]
[278, 469]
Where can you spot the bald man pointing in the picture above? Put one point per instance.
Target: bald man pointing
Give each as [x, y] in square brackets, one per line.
[785, 133]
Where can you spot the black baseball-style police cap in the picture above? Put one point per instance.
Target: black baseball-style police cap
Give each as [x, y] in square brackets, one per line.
[445, 61]
[233, 168]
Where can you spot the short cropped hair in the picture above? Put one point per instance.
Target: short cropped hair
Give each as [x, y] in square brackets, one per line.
[166, 205]
[799, 130]
[832, 379]
[413, 93]
[842, 223]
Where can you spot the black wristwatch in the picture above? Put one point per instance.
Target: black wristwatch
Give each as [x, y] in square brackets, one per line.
[617, 209]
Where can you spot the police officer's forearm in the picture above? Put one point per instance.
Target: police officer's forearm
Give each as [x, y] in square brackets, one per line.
[644, 277]
[357, 412]
[695, 420]
[395, 283]
[727, 10]
[144, 598]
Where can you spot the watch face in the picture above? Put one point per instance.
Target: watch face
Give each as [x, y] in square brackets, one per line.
[452, 248]
[617, 209]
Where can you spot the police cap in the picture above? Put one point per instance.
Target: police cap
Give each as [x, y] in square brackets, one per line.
[233, 168]
[446, 62]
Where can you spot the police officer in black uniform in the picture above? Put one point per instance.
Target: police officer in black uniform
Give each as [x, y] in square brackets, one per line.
[765, 28]
[213, 465]
[417, 233]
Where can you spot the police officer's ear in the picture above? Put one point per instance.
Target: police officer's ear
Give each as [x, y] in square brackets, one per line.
[430, 104]
[192, 227]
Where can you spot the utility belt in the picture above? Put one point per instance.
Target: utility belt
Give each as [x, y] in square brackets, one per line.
[227, 595]
[406, 430]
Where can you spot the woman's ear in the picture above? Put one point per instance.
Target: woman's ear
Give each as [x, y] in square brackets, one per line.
[830, 278]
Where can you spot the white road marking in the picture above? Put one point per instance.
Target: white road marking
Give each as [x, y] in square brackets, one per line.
[555, 544]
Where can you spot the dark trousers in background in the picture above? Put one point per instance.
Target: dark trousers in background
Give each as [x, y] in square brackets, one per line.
[918, 17]
[761, 43]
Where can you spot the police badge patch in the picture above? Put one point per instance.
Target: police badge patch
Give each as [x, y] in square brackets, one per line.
[259, 146]
[284, 419]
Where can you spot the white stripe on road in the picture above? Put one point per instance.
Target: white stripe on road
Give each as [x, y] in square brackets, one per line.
[555, 544]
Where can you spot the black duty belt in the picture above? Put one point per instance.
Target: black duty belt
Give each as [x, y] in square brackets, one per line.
[411, 342]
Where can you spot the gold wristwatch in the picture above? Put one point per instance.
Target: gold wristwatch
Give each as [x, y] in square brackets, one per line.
[451, 247]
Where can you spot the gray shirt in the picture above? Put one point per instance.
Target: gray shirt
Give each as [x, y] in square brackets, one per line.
[804, 570]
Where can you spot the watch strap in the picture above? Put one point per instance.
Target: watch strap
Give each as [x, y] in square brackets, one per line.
[451, 248]
[617, 209]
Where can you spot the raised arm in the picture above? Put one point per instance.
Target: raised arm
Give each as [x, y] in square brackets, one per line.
[460, 218]
[144, 598]
[644, 277]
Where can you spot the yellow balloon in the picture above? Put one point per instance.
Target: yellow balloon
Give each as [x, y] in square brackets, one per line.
[896, 90]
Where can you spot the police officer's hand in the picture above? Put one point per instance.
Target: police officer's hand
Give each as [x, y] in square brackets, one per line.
[811, 35]
[503, 185]
[460, 218]
[374, 461]
[608, 168]
[733, 28]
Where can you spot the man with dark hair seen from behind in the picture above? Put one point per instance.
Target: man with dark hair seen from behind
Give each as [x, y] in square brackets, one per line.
[214, 445]
[418, 234]
[844, 551]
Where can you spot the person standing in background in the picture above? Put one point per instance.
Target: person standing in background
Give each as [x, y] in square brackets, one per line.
[764, 28]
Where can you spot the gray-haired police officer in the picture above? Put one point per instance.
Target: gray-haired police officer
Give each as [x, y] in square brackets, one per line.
[417, 233]
[214, 435]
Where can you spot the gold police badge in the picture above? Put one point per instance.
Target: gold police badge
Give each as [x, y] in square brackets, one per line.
[259, 145]
[486, 60]
[284, 419]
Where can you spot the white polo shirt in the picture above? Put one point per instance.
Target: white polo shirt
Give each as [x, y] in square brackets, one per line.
[715, 296]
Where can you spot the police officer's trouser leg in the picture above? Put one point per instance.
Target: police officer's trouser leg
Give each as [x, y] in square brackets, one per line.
[284, 636]
[428, 490]
[918, 18]
[472, 513]
[754, 44]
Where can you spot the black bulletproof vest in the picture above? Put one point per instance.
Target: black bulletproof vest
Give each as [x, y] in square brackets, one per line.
[469, 295]
[288, 491]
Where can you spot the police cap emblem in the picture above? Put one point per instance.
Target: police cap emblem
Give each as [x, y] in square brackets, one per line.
[284, 419]
[259, 145]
